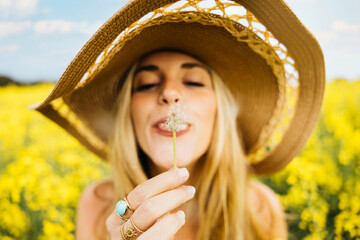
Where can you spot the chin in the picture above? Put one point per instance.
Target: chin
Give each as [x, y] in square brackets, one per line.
[165, 160]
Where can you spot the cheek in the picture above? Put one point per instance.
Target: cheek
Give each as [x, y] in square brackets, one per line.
[207, 109]
[206, 112]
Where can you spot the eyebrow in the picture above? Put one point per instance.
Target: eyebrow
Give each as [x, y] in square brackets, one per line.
[192, 65]
[153, 68]
[150, 68]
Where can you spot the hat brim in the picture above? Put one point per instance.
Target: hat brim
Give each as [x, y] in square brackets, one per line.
[247, 74]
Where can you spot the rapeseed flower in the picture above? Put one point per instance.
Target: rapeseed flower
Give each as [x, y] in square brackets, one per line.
[43, 172]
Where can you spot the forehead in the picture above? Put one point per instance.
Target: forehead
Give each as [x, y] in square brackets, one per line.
[167, 57]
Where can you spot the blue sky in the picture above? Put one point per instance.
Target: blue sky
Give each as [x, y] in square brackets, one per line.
[39, 38]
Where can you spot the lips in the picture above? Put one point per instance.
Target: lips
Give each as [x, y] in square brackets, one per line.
[161, 129]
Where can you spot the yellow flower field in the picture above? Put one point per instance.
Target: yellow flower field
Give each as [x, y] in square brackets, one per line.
[43, 171]
[320, 189]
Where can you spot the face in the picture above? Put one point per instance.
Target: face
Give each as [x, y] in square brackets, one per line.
[160, 80]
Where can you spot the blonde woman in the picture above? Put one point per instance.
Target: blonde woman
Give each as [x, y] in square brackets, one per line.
[250, 99]
[210, 157]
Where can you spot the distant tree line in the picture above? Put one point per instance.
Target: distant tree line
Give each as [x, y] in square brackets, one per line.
[5, 81]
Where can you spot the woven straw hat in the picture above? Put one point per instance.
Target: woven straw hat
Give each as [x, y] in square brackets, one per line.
[270, 61]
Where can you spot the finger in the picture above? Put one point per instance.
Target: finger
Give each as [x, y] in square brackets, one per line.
[116, 219]
[157, 206]
[165, 228]
[113, 223]
[156, 185]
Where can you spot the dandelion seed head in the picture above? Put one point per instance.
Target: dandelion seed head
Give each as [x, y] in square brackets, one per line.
[176, 118]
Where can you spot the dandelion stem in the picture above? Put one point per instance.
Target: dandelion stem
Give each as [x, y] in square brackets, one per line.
[174, 142]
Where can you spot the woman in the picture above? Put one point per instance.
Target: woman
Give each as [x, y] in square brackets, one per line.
[250, 106]
[159, 80]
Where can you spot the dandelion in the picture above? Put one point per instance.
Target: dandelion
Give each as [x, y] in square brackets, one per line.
[175, 122]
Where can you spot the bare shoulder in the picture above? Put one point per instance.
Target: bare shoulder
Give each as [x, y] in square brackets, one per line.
[267, 208]
[92, 210]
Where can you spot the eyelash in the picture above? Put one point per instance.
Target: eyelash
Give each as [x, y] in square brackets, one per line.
[195, 84]
[148, 86]
[145, 87]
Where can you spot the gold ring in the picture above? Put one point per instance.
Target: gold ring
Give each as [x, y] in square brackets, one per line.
[132, 223]
[122, 217]
[127, 203]
[122, 208]
[122, 232]
[131, 231]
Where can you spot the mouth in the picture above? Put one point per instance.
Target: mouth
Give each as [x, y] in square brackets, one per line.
[160, 128]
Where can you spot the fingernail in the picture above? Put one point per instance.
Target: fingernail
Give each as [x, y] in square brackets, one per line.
[181, 215]
[182, 172]
[190, 190]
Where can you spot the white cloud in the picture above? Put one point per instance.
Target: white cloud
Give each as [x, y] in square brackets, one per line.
[9, 48]
[53, 26]
[325, 36]
[5, 4]
[301, 1]
[46, 27]
[342, 26]
[62, 27]
[12, 27]
[342, 32]
[17, 8]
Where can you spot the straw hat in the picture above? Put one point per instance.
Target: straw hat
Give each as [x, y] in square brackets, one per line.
[270, 61]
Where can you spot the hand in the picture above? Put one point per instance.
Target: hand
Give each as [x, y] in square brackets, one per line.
[152, 202]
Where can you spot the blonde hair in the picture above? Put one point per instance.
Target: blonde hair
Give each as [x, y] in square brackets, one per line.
[222, 186]
[223, 181]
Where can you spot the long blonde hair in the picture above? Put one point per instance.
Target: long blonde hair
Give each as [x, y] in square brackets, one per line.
[222, 186]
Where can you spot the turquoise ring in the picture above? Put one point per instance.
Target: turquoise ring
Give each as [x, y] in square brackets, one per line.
[122, 207]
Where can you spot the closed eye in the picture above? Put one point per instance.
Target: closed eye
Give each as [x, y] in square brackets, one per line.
[145, 87]
[195, 84]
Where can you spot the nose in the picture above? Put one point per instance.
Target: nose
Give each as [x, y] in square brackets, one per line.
[170, 94]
